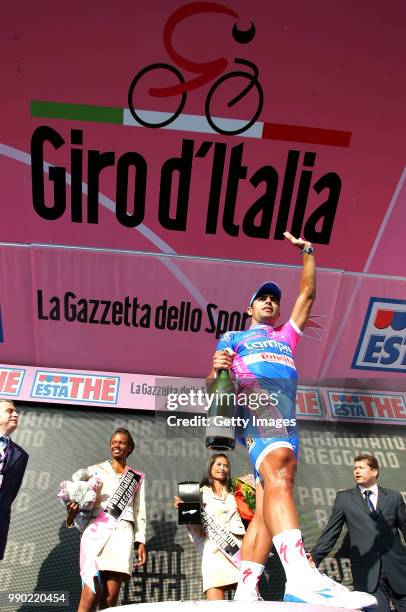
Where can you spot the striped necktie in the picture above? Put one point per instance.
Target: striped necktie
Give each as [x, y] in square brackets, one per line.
[3, 451]
[370, 505]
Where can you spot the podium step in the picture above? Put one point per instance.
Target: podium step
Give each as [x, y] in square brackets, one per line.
[224, 606]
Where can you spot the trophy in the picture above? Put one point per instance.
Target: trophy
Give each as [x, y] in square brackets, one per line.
[189, 510]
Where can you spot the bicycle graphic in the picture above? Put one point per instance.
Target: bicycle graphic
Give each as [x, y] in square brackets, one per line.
[207, 71]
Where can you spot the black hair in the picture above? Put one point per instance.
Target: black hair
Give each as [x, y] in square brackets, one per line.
[121, 430]
[207, 479]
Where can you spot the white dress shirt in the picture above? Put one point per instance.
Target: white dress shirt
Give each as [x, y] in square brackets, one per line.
[374, 494]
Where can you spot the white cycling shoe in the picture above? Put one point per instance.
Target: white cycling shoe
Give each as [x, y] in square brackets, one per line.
[244, 593]
[325, 591]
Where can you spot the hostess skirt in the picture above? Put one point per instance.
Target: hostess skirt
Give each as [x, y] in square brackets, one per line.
[117, 554]
[217, 570]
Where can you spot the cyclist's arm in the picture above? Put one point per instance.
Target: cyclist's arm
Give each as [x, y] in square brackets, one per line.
[307, 287]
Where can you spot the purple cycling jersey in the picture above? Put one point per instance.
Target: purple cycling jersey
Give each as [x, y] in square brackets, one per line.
[265, 354]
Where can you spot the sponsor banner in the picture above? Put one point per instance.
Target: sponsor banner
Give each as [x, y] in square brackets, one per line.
[164, 315]
[382, 343]
[11, 379]
[177, 396]
[99, 389]
[179, 147]
[142, 313]
[18, 345]
[138, 392]
[75, 387]
[353, 343]
[366, 406]
[309, 404]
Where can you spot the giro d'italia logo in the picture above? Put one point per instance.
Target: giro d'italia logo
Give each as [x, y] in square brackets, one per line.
[382, 343]
[244, 78]
[233, 96]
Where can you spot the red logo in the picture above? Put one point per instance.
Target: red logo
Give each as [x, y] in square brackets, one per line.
[282, 552]
[246, 574]
[205, 73]
[299, 545]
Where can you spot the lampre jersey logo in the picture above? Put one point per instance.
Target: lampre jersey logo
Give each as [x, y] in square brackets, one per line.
[382, 343]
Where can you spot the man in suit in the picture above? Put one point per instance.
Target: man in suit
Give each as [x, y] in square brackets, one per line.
[13, 461]
[373, 516]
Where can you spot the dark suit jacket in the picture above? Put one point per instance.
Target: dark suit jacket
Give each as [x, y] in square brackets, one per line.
[375, 541]
[12, 479]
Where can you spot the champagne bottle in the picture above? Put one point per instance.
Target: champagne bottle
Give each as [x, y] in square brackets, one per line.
[220, 434]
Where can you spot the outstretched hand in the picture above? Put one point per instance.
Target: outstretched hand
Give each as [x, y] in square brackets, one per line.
[297, 242]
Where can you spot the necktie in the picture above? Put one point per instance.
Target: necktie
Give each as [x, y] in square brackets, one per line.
[369, 503]
[3, 451]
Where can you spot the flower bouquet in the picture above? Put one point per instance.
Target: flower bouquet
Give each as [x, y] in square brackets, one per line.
[244, 494]
[82, 490]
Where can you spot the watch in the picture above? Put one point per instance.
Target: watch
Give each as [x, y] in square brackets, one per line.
[307, 250]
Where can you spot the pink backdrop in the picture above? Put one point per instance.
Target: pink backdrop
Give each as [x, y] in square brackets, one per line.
[74, 308]
[337, 68]
[331, 129]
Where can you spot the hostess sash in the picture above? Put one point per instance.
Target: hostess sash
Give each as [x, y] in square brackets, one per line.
[99, 531]
[222, 538]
